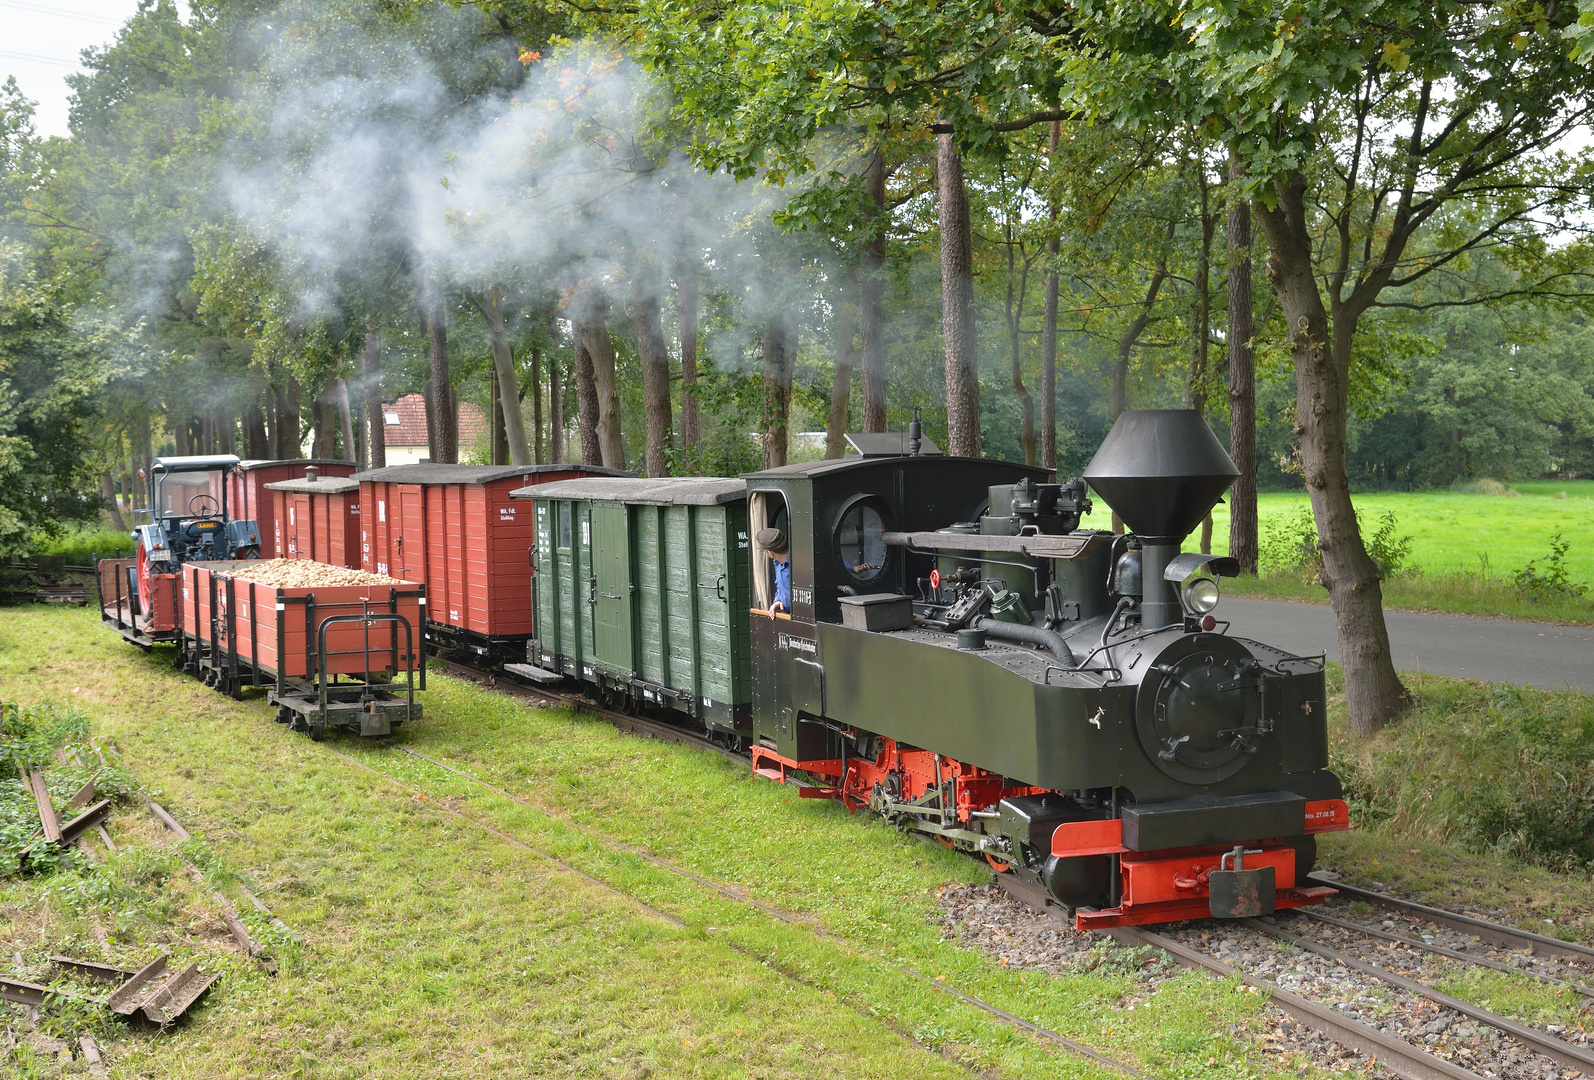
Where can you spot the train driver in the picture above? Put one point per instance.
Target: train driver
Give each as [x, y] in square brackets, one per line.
[773, 542]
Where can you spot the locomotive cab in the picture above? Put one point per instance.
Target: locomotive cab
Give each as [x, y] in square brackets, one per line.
[960, 657]
[186, 520]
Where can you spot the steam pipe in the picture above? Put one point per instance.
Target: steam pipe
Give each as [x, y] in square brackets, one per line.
[1030, 635]
[1159, 602]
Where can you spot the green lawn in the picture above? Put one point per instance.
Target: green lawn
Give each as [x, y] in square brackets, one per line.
[430, 948]
[1451, 531]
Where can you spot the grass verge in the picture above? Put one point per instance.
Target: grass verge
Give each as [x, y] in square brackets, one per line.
[1449, 594]
[432, 948]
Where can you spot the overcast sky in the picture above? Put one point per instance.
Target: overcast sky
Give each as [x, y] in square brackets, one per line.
[40, 43]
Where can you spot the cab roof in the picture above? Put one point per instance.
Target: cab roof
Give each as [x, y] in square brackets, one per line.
[469, 474]
[194, 463]
[647, 491]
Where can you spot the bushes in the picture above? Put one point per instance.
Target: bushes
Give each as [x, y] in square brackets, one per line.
[1491, 768]
[1545, 578]
[79, 548]
[1289, 546]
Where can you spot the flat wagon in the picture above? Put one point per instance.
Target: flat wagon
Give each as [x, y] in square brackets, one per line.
[329, 653]
[317, 518]
[249, 500]
[642, 590]
[454, 529]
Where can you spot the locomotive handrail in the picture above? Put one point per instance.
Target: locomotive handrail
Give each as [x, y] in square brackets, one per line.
[1033, 571]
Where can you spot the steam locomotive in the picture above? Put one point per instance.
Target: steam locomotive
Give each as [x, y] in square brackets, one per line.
[960, 658]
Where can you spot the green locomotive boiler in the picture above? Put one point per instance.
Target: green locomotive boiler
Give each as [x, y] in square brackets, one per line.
[957, 655]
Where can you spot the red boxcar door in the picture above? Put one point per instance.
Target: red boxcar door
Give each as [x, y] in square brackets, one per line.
[409, 536]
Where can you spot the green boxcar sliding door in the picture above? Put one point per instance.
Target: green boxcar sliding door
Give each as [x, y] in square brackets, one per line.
[612, 591]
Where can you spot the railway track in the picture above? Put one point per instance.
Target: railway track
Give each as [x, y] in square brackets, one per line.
[615, 846]
[1378, 980]
[1380, 999]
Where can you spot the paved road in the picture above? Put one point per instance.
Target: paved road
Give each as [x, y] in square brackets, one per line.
[1544, 655]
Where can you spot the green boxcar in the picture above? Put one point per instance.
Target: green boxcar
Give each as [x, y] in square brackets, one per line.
[641, 588]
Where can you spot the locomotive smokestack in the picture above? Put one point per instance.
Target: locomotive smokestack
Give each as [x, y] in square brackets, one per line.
[1162, 471]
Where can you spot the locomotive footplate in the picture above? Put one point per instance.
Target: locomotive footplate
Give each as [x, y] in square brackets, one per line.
[351, 707]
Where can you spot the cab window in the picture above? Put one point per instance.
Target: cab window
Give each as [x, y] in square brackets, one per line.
[765, 509]
[861, 543]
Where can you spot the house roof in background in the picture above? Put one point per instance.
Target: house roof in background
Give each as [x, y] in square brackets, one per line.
[411, 429]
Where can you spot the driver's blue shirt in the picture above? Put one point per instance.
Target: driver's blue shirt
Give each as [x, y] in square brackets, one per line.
[783, 583]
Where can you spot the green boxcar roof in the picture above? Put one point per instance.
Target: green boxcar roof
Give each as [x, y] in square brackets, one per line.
[652, 491]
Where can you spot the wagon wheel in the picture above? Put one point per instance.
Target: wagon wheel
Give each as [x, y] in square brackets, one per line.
[318, 732]
[946, 842]
[997, 864]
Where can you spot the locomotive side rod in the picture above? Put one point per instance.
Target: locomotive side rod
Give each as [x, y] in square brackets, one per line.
[1397, 1055]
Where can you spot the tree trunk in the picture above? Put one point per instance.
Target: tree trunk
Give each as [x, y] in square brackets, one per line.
[285, 429]
[654, 355]
[1201, 326]
[780, 350]
[1131, 336]
[537, 457]
[957, 303]
[492, 308]
[1015, 316]
[444, 441]
[108, 493]
[871, 309]
[181, 438]
[686, 302]
[1242, 382]
[376, 423]
[1049, 336]
[605, 387]
[556, 412]
[326, 419]
[498, 434]
[351, 447]
[586, 402]
[841, 389]
[1373, 691]
[257, 445]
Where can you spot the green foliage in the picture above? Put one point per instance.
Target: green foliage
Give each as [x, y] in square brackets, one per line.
[1497, 768]
[1288, 544]
[1546, 577]
[54, 738]
[1388, 548]
[79, 547]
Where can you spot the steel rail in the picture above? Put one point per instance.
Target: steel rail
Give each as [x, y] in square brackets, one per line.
[1396, 1055]
[1440, 950]
[1539, 1041]
[1494, 933]
[782, 916]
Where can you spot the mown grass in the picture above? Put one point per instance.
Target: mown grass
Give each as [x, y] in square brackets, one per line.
[1452, 594]
[1465, 548]
[430, 948]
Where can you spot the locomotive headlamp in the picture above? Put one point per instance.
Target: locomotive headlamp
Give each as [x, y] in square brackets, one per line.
[1200, 595]
[1196, 576]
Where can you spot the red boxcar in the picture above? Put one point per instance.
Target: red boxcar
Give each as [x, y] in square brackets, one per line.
[329, 655]
[248, 499]
[317, 518]
[455, 529]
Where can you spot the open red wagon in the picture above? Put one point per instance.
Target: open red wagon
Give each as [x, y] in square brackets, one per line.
[333, 647]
